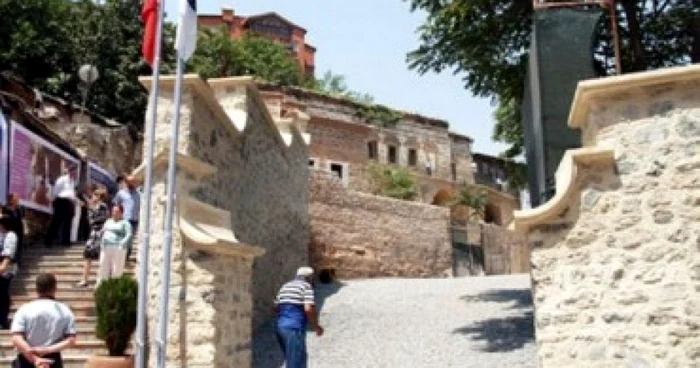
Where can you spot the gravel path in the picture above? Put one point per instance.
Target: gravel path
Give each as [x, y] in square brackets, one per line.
[483, 322]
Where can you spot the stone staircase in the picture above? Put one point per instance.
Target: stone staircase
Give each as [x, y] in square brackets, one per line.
[67, 264]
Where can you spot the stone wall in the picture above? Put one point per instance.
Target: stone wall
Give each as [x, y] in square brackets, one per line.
[115, 148]
[616, 252]
[361, 235]
[218, 294]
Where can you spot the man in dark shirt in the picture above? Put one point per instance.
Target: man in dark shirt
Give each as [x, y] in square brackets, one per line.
[295, 307]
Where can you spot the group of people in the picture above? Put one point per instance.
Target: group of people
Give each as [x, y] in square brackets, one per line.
[111, 222]
[111, 230]
[110, 241]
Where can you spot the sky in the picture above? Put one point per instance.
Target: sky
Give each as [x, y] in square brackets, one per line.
[367, 41]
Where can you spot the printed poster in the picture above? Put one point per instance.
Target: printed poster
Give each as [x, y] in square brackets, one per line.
[4, 159]
[98, 175]
[35, 165]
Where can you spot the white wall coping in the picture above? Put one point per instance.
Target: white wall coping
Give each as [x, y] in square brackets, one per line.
[589, 91]
[567, 175]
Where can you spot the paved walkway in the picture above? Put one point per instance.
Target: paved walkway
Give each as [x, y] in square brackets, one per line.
[480, 322]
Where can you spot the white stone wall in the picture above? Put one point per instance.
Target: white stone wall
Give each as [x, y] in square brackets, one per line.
[616, 275]
[217, 300]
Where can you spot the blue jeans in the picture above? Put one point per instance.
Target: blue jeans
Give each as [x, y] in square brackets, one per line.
[293, 344]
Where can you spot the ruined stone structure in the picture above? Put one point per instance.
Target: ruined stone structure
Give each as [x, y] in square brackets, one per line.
[344, 143]
[616, 252]
[242, 223]
[356, 234]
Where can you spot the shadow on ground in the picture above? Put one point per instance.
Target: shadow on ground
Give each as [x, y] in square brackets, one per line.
[266, 351]
[503, 334]
[522, 298]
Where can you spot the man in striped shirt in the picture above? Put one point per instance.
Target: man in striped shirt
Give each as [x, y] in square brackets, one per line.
[295, 307]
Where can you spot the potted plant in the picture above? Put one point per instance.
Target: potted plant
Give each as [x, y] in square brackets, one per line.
[116, 306]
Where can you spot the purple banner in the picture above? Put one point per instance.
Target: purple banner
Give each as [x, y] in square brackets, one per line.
[35, 164]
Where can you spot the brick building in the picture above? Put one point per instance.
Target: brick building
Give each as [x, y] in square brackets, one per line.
[344, 143]
[270, 25]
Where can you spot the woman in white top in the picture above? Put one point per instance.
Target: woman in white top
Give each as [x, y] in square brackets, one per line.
[8, 269]
[116, 234]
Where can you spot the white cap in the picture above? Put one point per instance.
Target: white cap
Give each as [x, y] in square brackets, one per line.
[305, 271]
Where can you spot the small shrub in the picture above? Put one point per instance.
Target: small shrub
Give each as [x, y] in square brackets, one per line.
[116, 304]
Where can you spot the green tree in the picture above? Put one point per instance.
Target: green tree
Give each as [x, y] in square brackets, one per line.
[474, 199]
[393, 181]
[35, 42]
[335, 85]
[219, 56]
[486, 42]
[46, 41]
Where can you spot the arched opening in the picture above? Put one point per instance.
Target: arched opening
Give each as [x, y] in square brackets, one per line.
[326, 276]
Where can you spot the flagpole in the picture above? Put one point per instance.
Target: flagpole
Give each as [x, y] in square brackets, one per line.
[148, 182]
[169, 212]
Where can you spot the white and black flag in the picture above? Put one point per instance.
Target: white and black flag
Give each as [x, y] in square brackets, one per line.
[186, 39]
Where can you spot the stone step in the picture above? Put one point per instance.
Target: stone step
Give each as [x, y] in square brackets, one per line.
[64, 293]
[84, 333]
[85, 348]
[57, 263]
[69, 299]
[70, 360]
[40, 251]
[28, 261]
[62, 271]
[64, 282]
[79, 308]
[80, 321]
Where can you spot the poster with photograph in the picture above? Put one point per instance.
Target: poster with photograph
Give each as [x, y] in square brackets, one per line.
[35, 165]
[4, 159]
[98, 175]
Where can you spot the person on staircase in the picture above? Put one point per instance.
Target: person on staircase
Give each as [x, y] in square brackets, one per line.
[98, 213]
[116, 235]
[15, 212]
[43, 328]
[8, 268]
[64, 200]
[130, 199]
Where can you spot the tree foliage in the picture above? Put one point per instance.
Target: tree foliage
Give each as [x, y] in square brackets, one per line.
[486, 42]
[472, 198]
[393, 181]
[46, 41]
[217, 55]
[116, 309]
[335, 85]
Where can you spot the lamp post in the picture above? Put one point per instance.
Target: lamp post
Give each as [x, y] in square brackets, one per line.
[88, 74]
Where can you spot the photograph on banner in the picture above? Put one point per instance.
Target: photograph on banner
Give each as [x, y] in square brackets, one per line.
[98, 175]
[4, 159]
[35, 165]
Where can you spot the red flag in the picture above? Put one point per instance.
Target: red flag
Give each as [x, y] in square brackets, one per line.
[149, 17]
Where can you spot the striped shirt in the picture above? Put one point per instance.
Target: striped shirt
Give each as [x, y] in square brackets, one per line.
[291, 299]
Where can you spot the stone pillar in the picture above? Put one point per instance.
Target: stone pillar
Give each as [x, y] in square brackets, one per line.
[616, 253]
[210, 297]
[210, 309]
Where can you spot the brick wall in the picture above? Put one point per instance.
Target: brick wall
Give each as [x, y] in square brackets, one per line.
[361, 235]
